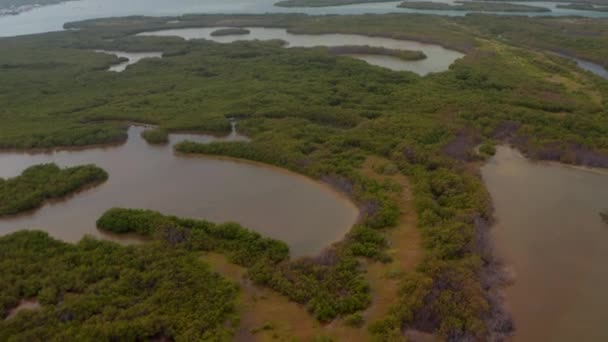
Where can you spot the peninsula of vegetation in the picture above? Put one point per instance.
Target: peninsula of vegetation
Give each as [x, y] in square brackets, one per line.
[325, 3]
[405, 55]
[156, 136]
[473, 6]
[230, 32]
[373, 133]
[584, 7]
[45, 182]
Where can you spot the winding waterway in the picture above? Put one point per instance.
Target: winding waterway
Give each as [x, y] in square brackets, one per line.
[52, 18]
[307, 215]
[590, 66]
[438, 58]
[553, 240]
[132, 58]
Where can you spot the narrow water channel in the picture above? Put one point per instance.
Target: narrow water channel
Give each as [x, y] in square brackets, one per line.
[552, 238]
[132, 58]
[591, 67]
[307, 215]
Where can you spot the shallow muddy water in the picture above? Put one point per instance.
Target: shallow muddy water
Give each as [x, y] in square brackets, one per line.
[552, 238]
[438, 58]
[133, 57]
[305, 214]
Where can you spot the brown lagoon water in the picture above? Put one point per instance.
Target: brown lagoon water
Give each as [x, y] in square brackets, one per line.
[438, 58]
[305, 214]
[551, 237]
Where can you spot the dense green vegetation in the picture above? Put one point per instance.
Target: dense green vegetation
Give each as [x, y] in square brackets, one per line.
[328, 288]
[585, 39]
[101, 291]
[473, 6]
[324, 3]
[406, 55]
[322, 115]
[156, 136]
[244, 247]
[43, 182]
[487, 148]
[229, 31]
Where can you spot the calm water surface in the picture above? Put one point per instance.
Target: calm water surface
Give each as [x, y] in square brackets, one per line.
[552, 238]
[305, 214]
[438, 58]
[52, 18]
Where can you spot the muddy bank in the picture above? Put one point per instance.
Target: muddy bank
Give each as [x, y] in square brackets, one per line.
[494, 279]
[24, 304]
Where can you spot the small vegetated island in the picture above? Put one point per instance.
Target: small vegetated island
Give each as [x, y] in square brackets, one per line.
[474, 6]
[230, 32]
[325, 3]
[44, 182]
[584, 7]
[406, 55]
[374, 133]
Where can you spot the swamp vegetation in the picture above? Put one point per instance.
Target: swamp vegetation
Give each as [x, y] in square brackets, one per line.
[45, 182]
[229, 31]
[156, 136]
[406, 55]
[101, 291]
[315, 113]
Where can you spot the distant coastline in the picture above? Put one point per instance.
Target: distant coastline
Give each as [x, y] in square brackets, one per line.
[16, 7]
[16, 10]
